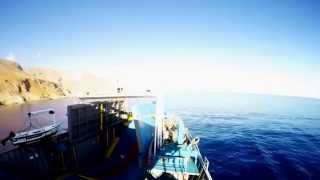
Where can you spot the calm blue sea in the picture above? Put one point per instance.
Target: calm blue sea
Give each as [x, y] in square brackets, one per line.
[254, 136]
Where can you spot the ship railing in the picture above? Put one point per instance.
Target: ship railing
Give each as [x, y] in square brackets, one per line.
[158, 131]
[202, 163]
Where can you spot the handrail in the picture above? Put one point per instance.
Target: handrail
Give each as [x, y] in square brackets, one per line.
[204, 163]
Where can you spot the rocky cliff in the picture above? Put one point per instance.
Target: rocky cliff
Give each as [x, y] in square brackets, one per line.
[18, 86]
[75, 83]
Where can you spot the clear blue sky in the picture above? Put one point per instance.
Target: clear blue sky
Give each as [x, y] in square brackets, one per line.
[77, 34]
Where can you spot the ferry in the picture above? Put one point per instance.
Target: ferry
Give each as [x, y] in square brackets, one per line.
[108, 137]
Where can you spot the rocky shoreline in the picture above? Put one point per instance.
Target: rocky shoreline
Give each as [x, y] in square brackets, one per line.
[17, 86]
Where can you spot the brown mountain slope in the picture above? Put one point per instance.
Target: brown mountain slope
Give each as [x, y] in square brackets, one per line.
[63, 79]
[75, 83]
[17, 86]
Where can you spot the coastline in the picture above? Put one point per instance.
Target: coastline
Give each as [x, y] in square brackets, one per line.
[36, 101]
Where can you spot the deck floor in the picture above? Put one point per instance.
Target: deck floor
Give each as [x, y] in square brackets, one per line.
[176, 159]
[176, 165]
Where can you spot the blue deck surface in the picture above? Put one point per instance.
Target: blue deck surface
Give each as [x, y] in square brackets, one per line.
[177, 157]
[178, 151]
[176, 165]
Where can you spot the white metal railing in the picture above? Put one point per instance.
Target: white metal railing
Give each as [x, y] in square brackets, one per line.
[33, 115]
[158, 132]
[204, 163]
[201, 162]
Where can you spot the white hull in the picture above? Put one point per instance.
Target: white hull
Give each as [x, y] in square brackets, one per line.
[35, 134]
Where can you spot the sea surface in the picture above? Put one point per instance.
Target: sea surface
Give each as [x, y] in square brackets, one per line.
[254, 137]
[244, 136]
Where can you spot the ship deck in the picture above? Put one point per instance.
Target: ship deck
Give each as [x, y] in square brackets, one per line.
[174, 158]
[176, 165]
